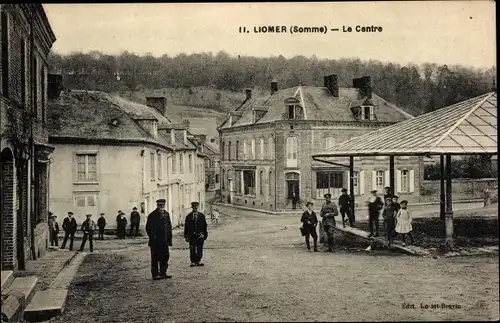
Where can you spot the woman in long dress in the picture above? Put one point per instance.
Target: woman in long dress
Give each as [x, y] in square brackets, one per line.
[403, 224]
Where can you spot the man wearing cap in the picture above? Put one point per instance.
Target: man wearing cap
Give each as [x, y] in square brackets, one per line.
[135, 219]
[101, 224]
[388, 194]
[121, 225]
[53, 230]
[159, 230]
[309, 223]
[88, 229]
[195, 232]
[375, 204]
[328, 212]
[345, 207]
[69, 226]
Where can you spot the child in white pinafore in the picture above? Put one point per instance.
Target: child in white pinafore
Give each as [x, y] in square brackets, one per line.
[404, 219]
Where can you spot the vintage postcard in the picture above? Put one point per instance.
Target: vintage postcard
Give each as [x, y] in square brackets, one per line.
[255, 162]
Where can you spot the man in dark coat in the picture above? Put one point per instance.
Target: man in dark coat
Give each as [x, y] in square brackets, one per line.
[101, 224]
[135, 219]
[309, 222]
[345, 207]
[195, 232]
[121, 226]
[159, 230]
[375, 204]
[69, 227]
[88, 229]
[388, 194]
[328, 213]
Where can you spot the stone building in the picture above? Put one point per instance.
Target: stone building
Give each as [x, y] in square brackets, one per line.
[26, 39]
[267, 142]
[112, 154]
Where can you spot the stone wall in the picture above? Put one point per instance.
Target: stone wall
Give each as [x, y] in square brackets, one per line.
[461, 188]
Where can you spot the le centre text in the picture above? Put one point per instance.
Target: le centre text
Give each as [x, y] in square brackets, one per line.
[282, 29]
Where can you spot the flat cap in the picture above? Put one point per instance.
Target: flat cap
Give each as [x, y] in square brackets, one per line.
[88, 215]
[374, 191]
[195, 203]
[309, 203]
[327, 195]
[344, 190]
[102, 213]
[70, 213]
[134, 208]
[395, 196]
[160, 201]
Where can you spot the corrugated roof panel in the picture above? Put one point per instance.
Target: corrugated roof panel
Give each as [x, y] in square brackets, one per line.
[470, 130]
[476, 121]
[465, 141]
[491, 120]
[484, 141]
[488, 130]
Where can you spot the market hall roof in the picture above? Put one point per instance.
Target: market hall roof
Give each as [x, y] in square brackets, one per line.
[468, 127]
[318, 104]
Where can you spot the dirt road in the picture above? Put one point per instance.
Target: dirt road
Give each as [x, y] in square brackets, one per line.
[257, 269]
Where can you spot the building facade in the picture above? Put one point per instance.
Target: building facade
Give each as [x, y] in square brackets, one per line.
[26, 39]
[267, 143]
[112, 154]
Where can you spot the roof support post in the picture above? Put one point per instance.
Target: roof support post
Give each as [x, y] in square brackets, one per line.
[449, 205]
[391, 175]
[351, 185]
[442, 193]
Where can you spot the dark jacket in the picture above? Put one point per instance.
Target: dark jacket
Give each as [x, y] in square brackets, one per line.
[386, 196]
[397, 206]
[122, 223]
[135, 217]
[310, 221]
[375, 207]
[53, 226]
[69, 225]
[389, 212]
[344, 202]
[101, 222]
[159, 228]
[88, 226]
[193, 228]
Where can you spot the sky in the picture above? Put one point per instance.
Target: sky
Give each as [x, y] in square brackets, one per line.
[443, 32]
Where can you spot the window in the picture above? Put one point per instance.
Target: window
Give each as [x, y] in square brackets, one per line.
[237, 181]
[367, 113]
[329, 182]
[181, 163]
[245, 156]
[330, 142]
[152, 165]
[271, 148]
[190, 162]
[270, 182]
[223, 179]
[237, 149]
[85, 200]
[355, 177]
[291, 112]
[249, 182]
[5, 54]
[291, 152]
[253, 148]
[229, 151]
[379, 180]
[262, 148]
[405, 181]
[261, 182]
[223, 150]
[216, 178]
[159, 166]
[174, 162]
[86, 167]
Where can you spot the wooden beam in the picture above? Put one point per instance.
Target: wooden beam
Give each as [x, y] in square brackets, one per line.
[449, 205]
[392, 177]
[351, 185]
[442, 205]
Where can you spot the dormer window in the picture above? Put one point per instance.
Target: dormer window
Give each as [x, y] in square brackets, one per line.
[367, 112]
[291, 112]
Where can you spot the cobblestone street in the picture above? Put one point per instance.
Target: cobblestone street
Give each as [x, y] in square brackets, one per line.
[257, 269]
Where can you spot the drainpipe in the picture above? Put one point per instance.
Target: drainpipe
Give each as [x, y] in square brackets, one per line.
[31, 144]
[143, 210]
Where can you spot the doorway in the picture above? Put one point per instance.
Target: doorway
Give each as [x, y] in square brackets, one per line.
[293, 186]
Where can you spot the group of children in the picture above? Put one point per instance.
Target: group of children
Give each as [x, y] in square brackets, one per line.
[397, 219]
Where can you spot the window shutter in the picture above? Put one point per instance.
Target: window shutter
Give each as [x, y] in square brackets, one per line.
[398, 181]
[374, 180]
[361, 181]
[412, 181]
[387, 179]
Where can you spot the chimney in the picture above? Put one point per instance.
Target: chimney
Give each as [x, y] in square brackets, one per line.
[54, 86]
[274, 86]
[157, 102]
[248, 93]
[332, 84]
[186, 123]
[364, 85]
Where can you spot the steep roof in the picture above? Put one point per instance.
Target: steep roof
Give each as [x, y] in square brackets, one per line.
[318, 104]
[90, 115]
[468, 127]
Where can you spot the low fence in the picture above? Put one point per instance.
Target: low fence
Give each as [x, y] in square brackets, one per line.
[462, 188]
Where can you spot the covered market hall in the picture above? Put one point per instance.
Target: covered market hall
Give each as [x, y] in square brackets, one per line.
[465, 128]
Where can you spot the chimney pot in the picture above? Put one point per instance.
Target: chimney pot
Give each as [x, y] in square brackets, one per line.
[364, 86]
[331, 82]
[248, 93]
[274, 86]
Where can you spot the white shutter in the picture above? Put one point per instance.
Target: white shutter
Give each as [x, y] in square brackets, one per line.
[347, 174]
[412, 181]
[398, 181]
[374, 180]
[361, 182]
[387, 179]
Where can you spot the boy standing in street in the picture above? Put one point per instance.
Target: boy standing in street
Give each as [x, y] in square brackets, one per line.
[101, 223]
[88, 228]
[53, 230]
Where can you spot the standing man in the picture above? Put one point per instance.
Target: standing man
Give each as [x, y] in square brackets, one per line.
[294, 200]
[195, 232]
[121, 226]
[345, 207]
[135, 219]
[328, 212]
[101, 223]
[159, 230]
[375, 204]
[69, 227]
[88, 229]
[388, 194]
[53, 230]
